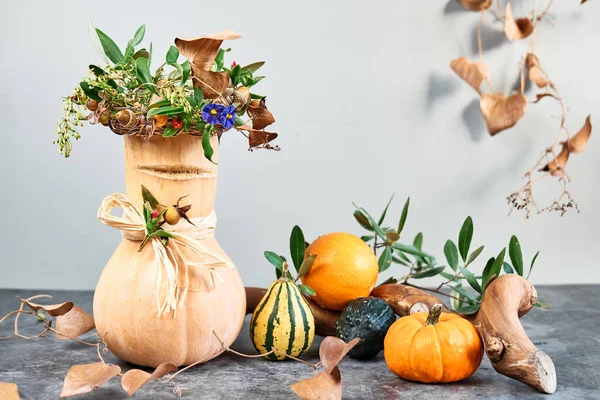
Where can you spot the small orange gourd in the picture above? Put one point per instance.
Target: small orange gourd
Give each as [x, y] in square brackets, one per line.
[433, 347]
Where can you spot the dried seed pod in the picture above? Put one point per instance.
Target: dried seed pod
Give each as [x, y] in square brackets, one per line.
[126, 118]
[240, 99]
[103, 119]
[92, 105]
[172, 215]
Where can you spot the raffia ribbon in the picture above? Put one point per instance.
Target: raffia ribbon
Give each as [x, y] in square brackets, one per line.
[170, 259]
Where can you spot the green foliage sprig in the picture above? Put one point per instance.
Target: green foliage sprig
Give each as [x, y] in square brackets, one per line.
[457, 275]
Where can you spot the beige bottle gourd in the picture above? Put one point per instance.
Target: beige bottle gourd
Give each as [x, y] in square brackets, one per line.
[125, 301]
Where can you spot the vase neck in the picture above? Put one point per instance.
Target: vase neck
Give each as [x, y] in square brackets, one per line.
[171, 168]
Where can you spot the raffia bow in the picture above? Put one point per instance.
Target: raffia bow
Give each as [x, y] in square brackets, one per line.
[170, 259]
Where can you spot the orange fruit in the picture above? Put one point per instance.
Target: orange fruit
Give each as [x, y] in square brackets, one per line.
[345, 269]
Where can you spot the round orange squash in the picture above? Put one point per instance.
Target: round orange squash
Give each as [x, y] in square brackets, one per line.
[433, 347]
[345, 269]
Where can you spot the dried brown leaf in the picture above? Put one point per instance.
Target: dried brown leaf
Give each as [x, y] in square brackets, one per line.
[211, 83]
[534, 72]
[324, 386]
[87, 377]
[53, 310]
[261, 117]
[540, 96]
[516, 29]
[134, 379]
[471, 72]
[257, 138]
[556, 166]
[201, 51]
[578, 142]
[475, 5]
[333, 349]
[9, 391]
[502, 112]
[74, 323]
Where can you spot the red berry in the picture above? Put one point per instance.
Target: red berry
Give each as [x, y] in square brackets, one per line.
[177, 123]
[155, 214]
[233, 65]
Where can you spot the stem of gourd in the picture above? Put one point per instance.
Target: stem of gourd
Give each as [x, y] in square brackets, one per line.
[434, 314]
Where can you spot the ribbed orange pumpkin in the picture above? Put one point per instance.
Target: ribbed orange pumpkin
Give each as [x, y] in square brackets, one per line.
[434, 347]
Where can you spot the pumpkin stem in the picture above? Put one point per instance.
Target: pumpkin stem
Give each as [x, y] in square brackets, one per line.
[434, 314]
[284, 272]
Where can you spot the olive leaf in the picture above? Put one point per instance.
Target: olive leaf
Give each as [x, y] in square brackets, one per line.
[306, 265]
[471, 279]
[297, 247]
[508, 268]
[385, 259]
[464, 237]
[74, 323]
[459, 289]
[532, 263]
[500, 112]
[111, 50]
[427, 273]
[516, 256]
[307, 290]
[408, 249]
[87, 377]
[474, 73]
[392, 236]
[474, 255]
[274, 259]
[516, 29]
[451, 253]
[96, 41]
[362, 220]
[134, 379]
[383, 214]
[494, 270]
[403, 215]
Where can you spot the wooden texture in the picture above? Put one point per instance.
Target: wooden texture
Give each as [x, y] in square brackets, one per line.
[125, 306]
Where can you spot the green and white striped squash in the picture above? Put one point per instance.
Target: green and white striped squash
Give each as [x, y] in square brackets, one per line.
[283, 321]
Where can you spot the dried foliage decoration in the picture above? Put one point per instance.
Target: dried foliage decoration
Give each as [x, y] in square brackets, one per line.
[502, 112]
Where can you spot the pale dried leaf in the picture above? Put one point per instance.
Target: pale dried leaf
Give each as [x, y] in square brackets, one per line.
[9, 391]
[53, 310]
[324, 386]
[201, 51]
[134, 379]
[261, 117]
[257, 138]
[74, 323]
[87, 377]
[578, 142]
[475, 5]
[534, 72]
[502, 112]
[211, 83]
[333, 349]
[540, 96]
[516, 29]
[556, 166]
[472, 73]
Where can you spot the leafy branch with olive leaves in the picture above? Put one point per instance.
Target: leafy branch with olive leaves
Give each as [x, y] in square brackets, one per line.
[456, 274]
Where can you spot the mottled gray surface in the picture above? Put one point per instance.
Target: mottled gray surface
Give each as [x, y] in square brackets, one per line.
[569, 333]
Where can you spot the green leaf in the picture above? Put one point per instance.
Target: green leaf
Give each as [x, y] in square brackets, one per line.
[495, 269]
[208, 150]
[96, 41]
[254, 66]
[170, 131]
[185, 73]
[220, 59]
[508, 268]
[362, 220]
[542, 304]
[172, 55]
[391, 236]
[307, 290]
[150, 54]
[306, 265]
[403, 215]
[274, 259]
[406, 248]
[385, 259]
[161, 233]
[470, 309]
[111, 50]
[142, 53]
[239, 121]
[516, 256]
[385, 210]
[297, 246]
[198, 96]
[459, 289]
[487, 271]
[91, 93]
[418, 240]
[142, 71]
[367, 238]
[138, 36]
[165, 110]
[429, 272]
[96, 70]
[464, 237]
[451, 253]
[532, 262]
[391, 279]
[471, 279]
[398, 260]
[474, 255]
[148, 197]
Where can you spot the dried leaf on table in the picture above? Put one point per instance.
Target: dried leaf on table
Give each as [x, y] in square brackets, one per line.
[87, 377]
[534, 72]
[516, 29]
[502, 112]
[261, 117]
[134, 379]
[74, 323]
[53, 310]
[322, 386]
[212, 84]
[471, 72]
[578, 142]
[475, 5]
[556, 166]
[9, 391]
[201, 51]
[257, 138]
[333, 350]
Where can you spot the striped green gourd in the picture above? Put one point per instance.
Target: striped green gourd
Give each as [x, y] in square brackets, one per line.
[282, 320]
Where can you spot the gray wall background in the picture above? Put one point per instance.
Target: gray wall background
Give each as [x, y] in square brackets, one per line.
[366, 106]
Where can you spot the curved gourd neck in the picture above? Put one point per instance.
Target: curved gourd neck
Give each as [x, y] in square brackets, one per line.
[171, 168]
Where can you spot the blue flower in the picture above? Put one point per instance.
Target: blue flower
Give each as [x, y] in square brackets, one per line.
[211, 113]
[228, 117]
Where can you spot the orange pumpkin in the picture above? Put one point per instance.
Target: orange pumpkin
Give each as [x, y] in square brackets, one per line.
[433, 347]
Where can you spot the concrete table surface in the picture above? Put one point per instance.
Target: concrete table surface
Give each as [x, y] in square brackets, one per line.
[569, 332]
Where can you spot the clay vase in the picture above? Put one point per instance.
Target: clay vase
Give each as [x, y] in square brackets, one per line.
[125, 301]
